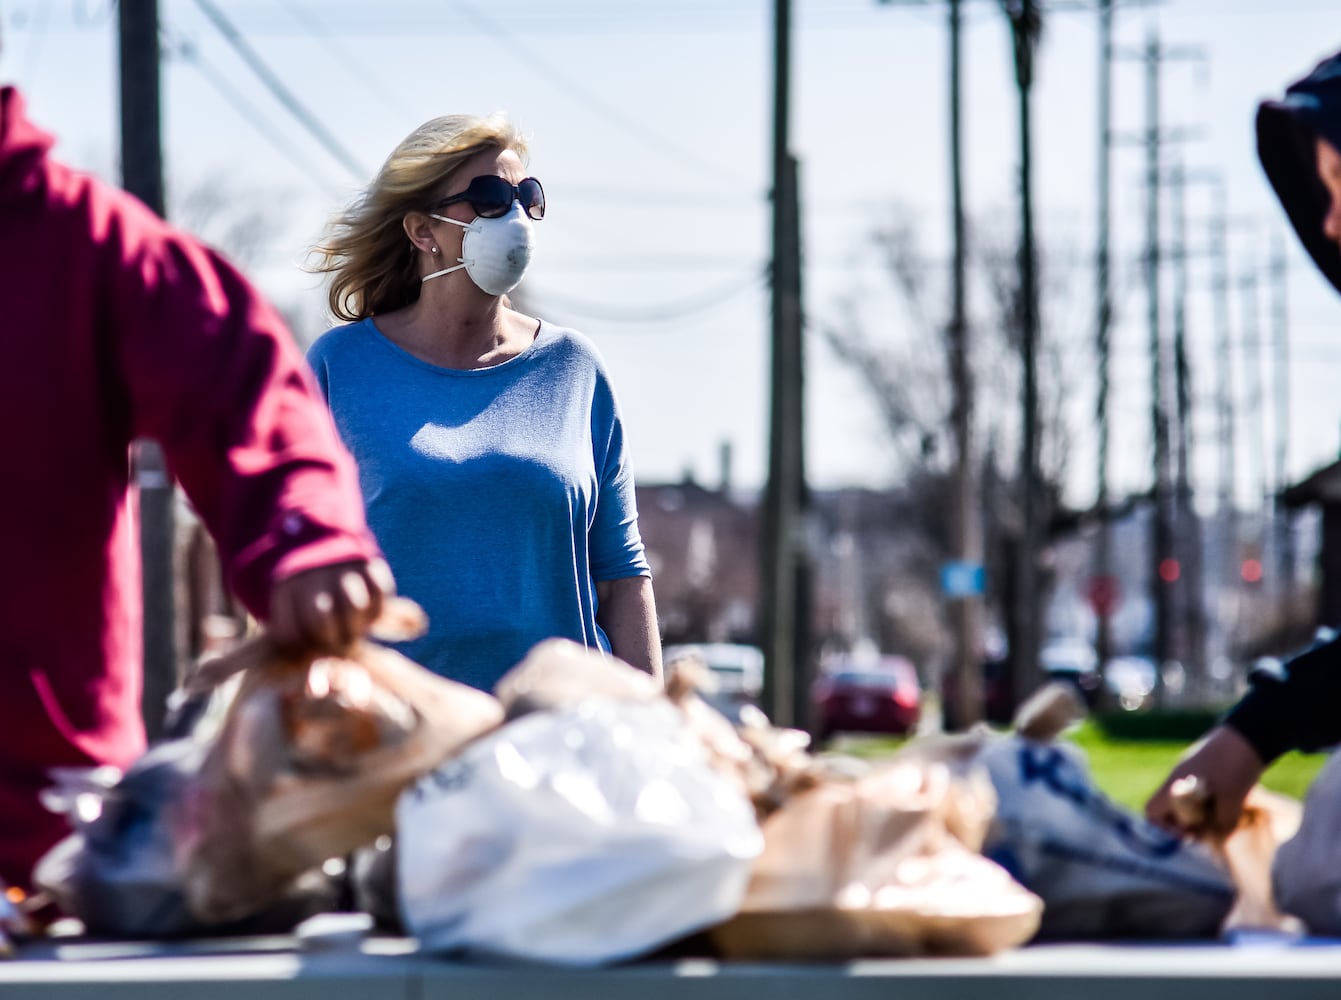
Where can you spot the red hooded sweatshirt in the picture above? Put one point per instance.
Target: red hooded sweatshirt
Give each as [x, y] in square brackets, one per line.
[114, 326]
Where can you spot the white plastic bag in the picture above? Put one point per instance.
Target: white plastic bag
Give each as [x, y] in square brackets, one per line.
[580, 835]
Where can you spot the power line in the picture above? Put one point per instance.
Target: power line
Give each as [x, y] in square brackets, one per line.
[94, 12]
[281, 93]
[668, 261]
[184, 49]
[39, 35]
[991, 9]
[547, 19]
[545, 15]
[664, 313]
[315, 27]
[537, 63]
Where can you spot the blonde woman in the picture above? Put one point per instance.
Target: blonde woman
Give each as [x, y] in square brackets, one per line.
[490, 447]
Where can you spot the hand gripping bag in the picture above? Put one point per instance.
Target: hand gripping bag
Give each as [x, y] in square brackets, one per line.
[308, 764]
[1268, 819]
[1102, 870]
[584, 834]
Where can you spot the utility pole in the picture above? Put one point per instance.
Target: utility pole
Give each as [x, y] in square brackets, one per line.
[1026, 24]
[783, 582]
[966, 601]
[1189, 536]
[1226, 396]
[1254, 394]
[142, 176]
[1280, 285]
[1229, 576]
[1104, 593]
[966, 608]
[1162, 534]
[1164, 567]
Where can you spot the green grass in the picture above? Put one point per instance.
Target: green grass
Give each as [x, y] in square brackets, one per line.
[1127, 771]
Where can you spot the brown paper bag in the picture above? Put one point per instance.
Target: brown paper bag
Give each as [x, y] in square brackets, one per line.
[558, 672]
[877, 867]
[1268, 820]
[307, 766]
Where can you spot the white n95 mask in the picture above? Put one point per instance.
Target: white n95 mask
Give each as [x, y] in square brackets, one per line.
[494, 252]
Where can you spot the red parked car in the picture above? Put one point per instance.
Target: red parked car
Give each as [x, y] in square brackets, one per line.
[877, 695]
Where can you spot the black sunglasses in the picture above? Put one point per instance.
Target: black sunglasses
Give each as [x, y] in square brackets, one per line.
[491, 196]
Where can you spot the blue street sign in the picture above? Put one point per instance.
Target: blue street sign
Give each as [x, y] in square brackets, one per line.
[963, 579]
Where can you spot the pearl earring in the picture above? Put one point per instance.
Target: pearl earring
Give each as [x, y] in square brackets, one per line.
[435, 249]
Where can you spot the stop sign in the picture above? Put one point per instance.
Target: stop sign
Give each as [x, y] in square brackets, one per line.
[1103, 594]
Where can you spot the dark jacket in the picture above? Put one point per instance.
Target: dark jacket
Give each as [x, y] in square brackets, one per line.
[116, 326]
[1297, 709]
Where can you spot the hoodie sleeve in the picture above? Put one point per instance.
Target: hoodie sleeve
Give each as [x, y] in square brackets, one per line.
[212, 373]
[1295, 708]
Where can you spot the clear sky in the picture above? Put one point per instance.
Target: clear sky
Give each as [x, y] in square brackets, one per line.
[651, 128]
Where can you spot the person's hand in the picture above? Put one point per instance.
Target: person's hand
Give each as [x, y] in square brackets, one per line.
[1224, 767]
[327, 608]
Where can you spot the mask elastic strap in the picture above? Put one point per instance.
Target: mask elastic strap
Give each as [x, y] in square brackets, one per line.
[443, 218]
[463, 261]
[445, 270]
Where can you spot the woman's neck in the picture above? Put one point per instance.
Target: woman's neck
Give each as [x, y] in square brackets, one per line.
[452, 334]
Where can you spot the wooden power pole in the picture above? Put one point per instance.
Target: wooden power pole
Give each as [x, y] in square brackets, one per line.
[142, 176]
[1026, 22]
[1103, 590]
[967, 605]
[783, 582]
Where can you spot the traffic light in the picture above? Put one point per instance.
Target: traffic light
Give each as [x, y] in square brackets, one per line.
[1169, 570]
[1251, 570]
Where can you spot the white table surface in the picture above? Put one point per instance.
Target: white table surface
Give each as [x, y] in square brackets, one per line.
[391, 969]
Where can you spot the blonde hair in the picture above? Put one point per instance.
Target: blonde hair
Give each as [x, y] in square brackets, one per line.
[365, 247]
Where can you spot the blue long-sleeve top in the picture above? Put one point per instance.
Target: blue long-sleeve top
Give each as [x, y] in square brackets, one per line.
[499, 495]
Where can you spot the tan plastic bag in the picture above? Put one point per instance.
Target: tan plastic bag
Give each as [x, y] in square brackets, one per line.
[308, 764]
[559, 672]
[884, 865]
[1267, 821]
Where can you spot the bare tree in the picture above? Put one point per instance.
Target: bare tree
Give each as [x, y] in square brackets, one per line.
[243, 223]
[899, 349]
